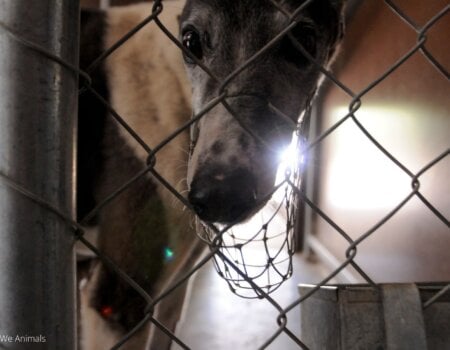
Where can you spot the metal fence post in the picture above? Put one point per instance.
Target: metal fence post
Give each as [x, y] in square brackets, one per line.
[38, 103]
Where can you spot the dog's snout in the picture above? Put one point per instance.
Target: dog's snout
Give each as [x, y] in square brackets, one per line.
[223, 196]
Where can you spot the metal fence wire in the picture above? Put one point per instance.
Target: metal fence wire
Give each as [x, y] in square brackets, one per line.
[227, 249]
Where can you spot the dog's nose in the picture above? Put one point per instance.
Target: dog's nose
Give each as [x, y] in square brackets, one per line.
[223, 196]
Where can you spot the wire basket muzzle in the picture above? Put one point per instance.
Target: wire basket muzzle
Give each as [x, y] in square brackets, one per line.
[255, 257]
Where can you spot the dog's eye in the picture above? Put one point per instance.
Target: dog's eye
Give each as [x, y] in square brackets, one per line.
[192, 42]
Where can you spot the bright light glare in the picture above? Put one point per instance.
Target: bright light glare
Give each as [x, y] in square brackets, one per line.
[289, 160]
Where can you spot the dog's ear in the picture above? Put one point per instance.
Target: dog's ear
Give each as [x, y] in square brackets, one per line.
[339, 9]
[338, 4]
[329, 18]
[328, 14]
[336, 25]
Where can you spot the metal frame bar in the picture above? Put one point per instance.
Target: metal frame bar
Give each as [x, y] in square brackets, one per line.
[38, 104]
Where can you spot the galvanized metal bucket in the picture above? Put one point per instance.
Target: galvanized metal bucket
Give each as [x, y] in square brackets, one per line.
[391, 317]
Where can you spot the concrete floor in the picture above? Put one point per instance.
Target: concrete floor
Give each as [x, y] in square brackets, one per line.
[217, 319]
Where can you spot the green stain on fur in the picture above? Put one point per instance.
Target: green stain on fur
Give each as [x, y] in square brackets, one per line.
[151, 239]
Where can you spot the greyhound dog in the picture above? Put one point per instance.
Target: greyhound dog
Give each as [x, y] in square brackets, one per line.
[231, 165]
[231, 171]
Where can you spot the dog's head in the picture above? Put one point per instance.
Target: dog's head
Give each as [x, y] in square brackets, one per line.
[234, 161]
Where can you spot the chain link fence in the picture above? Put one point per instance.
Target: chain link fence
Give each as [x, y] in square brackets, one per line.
[226, 248]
